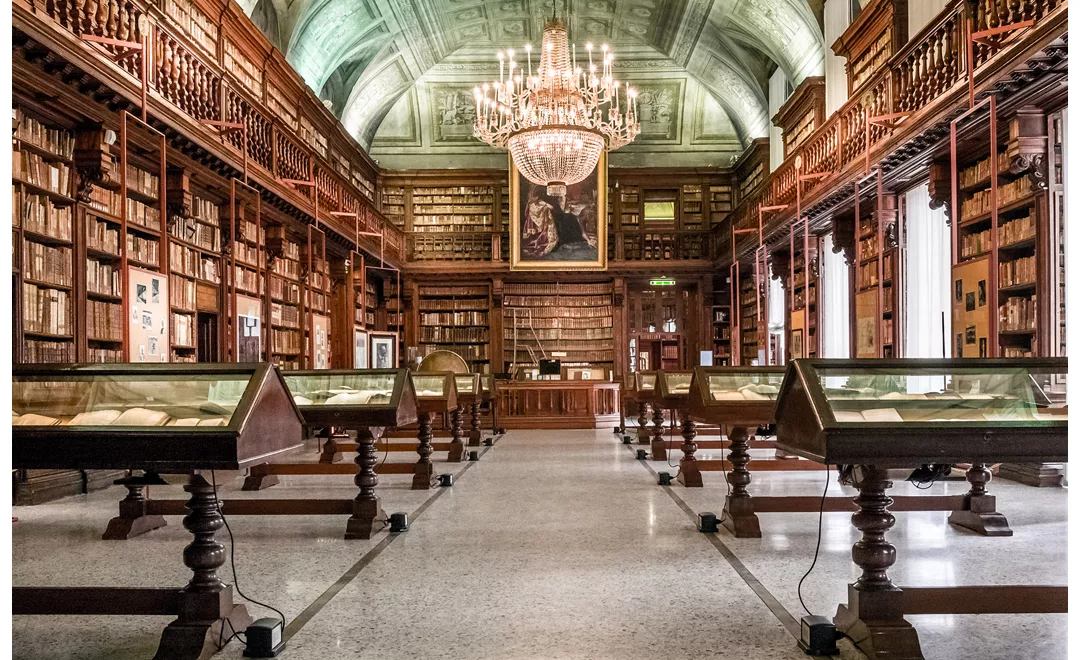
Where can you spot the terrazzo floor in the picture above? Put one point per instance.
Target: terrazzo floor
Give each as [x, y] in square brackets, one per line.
[556, 544]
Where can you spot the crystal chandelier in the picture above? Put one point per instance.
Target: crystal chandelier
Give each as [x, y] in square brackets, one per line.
[556, 121]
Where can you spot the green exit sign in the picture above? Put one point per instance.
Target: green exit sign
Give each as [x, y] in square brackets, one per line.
[662, 282]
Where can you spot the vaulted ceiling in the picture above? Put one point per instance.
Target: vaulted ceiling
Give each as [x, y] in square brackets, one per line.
[399, 73]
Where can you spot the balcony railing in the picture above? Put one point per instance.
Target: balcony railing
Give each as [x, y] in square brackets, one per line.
[931, 66]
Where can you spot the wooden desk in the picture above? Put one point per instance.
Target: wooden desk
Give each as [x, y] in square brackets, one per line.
[558, 404]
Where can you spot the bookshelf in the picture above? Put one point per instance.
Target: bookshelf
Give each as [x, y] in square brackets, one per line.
[453, 208]
[286, 298]
[43, 233]
[571, 322]
[392, 202]
[748, 316]
[876, 279]
[629, 208]
[803, 293]
[720, 203]
[316, 295]
[721, 322]
[456, 318]
[395, 316]
[692, 202]
[246, 285]
[999, 256]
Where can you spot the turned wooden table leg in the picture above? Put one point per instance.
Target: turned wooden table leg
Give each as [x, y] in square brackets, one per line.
[689, 474]
[331, 453]
[368, 516]
[643, 435]
[424, 472]
[206, 613]
[457, 445]
[659, 450]
[874, 614]
[474, 425]
[133, 519]
[980, 510]
[739, 516]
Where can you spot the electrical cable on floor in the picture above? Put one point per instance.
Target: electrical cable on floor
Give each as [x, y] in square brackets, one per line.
[232, 555]
[821, 515]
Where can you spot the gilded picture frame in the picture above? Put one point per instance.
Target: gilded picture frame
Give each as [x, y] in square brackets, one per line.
[542, 248]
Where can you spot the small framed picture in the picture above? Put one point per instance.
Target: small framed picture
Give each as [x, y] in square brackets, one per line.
[360, 349]
[959, 290]
[959, 345]
[982, 293]
[969, 301]
[969, 335]
[982, 346]
[383, 350]
[796, 344]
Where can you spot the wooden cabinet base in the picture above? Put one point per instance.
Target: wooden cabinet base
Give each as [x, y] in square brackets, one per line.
[40, 486]
[1042, 475]
[558, 404]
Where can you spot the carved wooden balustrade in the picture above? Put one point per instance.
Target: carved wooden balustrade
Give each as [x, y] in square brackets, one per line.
[214, 65]
[929, 67]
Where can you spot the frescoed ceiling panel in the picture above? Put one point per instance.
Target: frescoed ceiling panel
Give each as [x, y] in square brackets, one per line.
[399, 73]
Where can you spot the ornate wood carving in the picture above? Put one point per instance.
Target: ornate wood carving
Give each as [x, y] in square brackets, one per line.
[1027, 145]
[93, 164]
[802, 114]
[873, 37]
[843, 229]
[940, 187]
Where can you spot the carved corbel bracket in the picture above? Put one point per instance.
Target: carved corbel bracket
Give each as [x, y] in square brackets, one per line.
[940, 187]
[1026, 149]
[92, 161]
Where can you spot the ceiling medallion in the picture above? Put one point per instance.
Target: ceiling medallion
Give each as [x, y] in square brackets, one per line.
[558, 120]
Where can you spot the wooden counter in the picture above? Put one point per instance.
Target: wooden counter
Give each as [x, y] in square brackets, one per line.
[550, 404]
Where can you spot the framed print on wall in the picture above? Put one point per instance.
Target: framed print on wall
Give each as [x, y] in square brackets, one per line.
[360, 349]
[383, 350]
[559, 233]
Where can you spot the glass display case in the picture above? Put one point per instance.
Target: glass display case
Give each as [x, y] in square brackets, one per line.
[530, 373]
[644, 382]
[159, 417]
[735, 395]
[352, 398]
[435, 391]
[467, 386]
[924, 411]
[673, 386]
[487, 386]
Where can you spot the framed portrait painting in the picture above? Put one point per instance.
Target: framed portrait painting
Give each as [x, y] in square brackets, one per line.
[549, 232]
[360, 348]
[383, 350]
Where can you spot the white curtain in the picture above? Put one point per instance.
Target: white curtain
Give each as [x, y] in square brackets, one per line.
[837, 18]
[777, 322]
[928, 276]
[921, 12]
[778, 93]
[834, 293]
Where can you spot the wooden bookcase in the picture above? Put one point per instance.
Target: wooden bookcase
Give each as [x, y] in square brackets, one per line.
[722, 322]
[802, 299]
[570, 322]
[316, 300]
[749, 307]
[453, 209]
[1001, 260]
[286, 299]
[246, 290]
[876, 278]
[456, 318]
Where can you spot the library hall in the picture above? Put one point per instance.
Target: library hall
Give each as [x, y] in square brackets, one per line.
[539, 330]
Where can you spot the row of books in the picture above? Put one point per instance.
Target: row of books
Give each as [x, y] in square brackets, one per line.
[317, 300]
[41, 217]
[186, 261]
[442, 334]
[557, 334]
[557, 301]
[558, 289]
[980, 171]
[469, 353]
[285, 315]
[249, 254]
[51, 351]
[454, 318]
[46, 310]
[290, 250]
[435, 212]
[94, 354]
[1017, 314]
[459, 291]
[143, 182]
[105, 200]
[182, 293]
[208, 237]
[205, 211]
[51, 265]
[979, 202]
[1010, 232]
[144, 250]
[183, 330]
[56, 141]
[586, 353]
[285, 341]
[886, 331]
[143, 215]
[868, 247]
[249, 230]
[178, 357]
[1015, 352]
[509, 314]
[104, 320]
[440, 305]
[284, 290]
[102, 236]
[1017, 271]
[248, 280]
[32, 168]
[286, 268]
[572, 323]
[104, 278]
